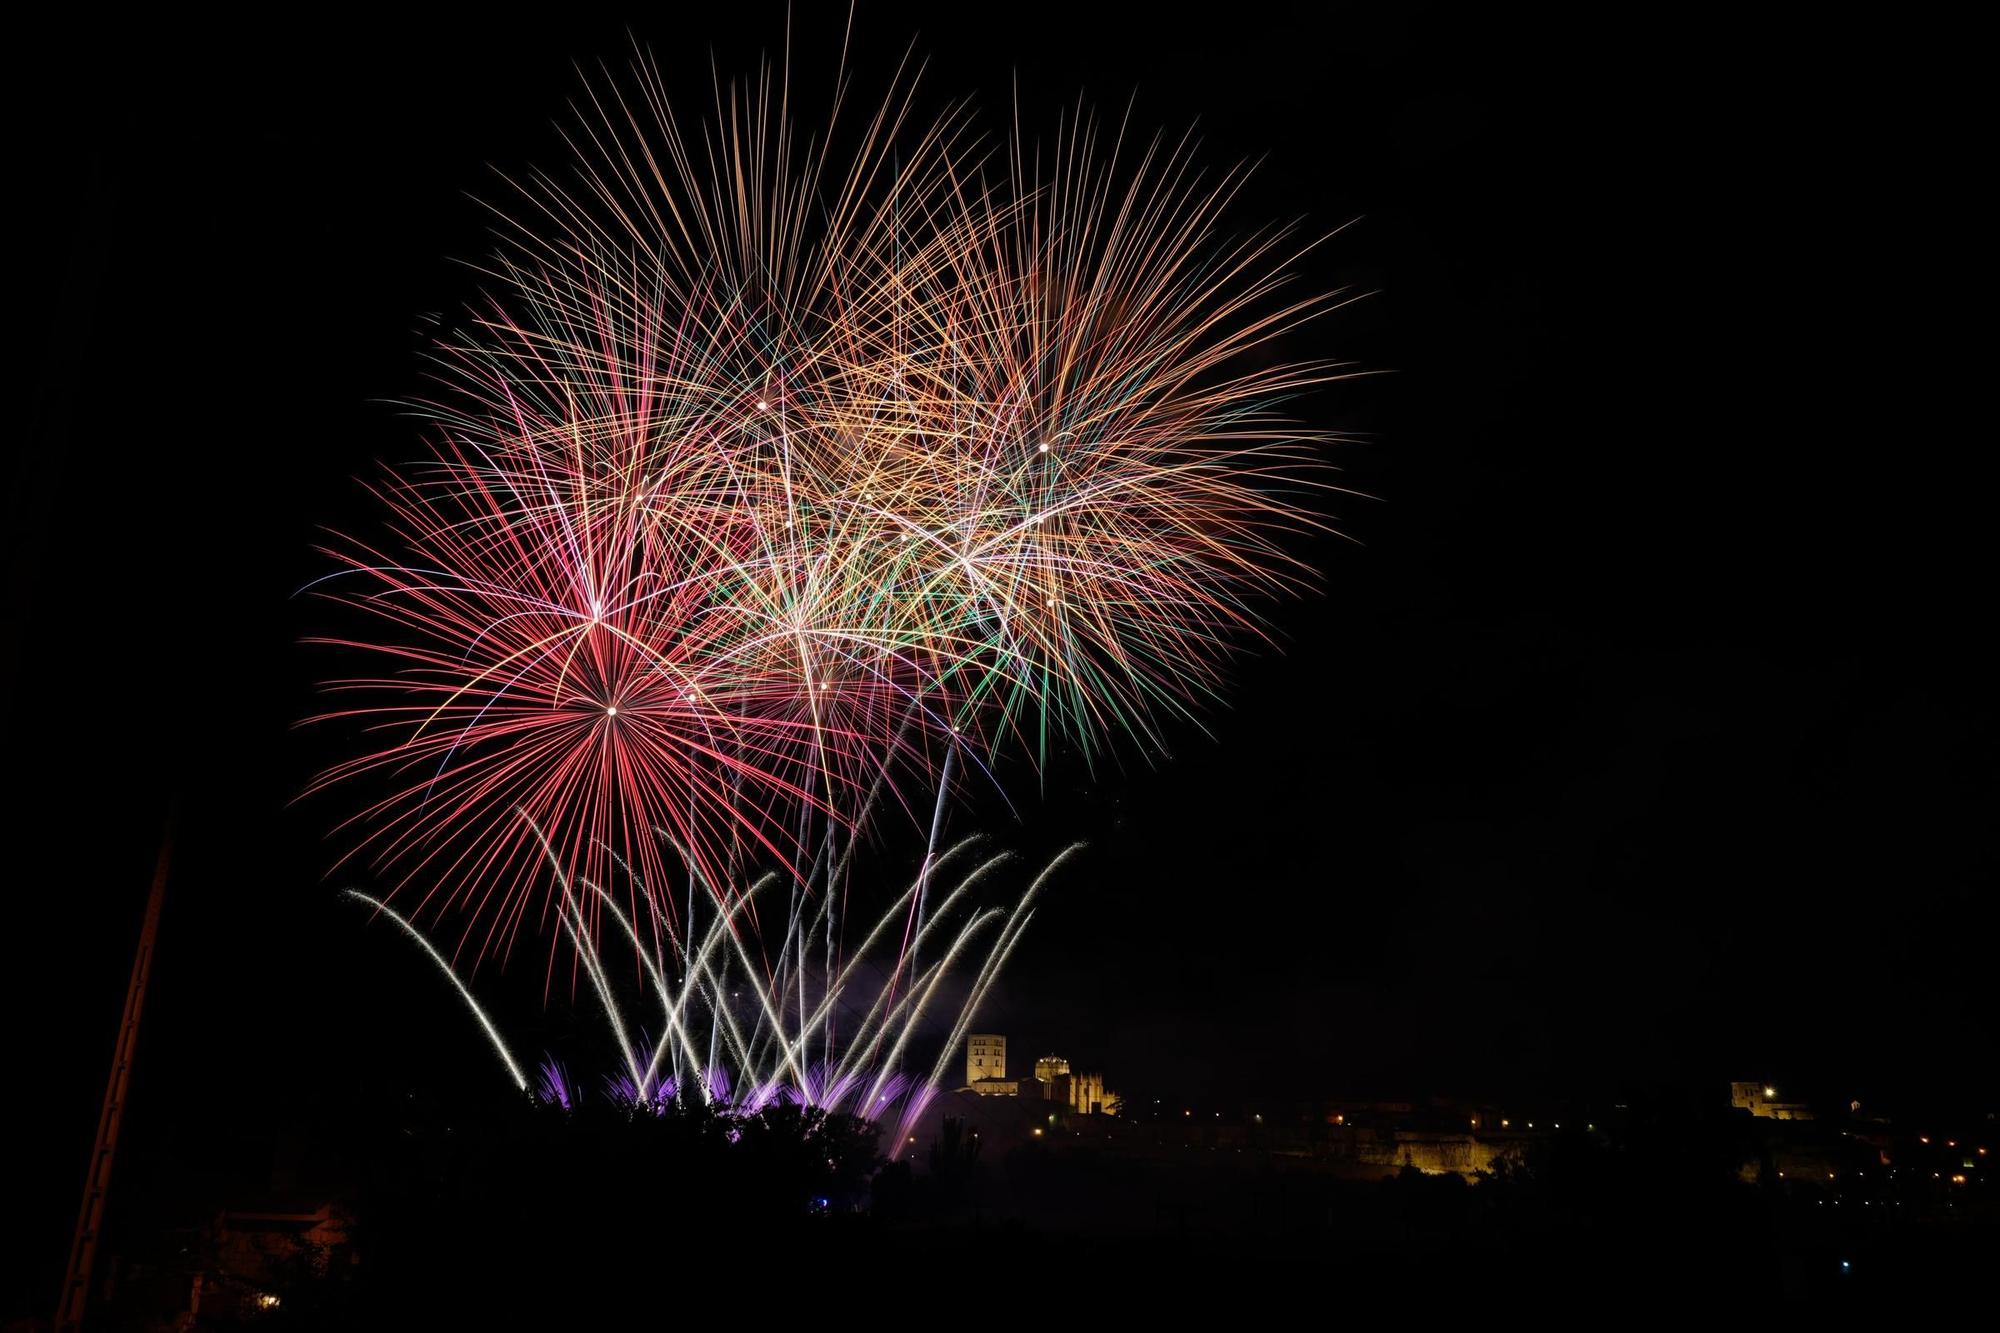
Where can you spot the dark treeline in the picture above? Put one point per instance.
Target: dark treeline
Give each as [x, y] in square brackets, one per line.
[529, 1212]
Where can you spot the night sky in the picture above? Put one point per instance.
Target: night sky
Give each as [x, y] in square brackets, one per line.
[1642, 735]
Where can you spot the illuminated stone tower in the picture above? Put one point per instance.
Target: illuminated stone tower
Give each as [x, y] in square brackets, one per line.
[985, 1057]
[1049, 1066]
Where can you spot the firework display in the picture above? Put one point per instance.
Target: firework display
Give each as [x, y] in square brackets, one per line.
[772, 486]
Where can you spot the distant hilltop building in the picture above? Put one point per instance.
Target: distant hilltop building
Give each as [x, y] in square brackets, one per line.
[986, 1074]
[1761, 1100]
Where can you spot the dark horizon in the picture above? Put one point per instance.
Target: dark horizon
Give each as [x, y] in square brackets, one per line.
[1640, 738]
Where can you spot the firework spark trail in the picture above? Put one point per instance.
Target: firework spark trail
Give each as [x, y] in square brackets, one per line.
[916, 919]
[486, 1023]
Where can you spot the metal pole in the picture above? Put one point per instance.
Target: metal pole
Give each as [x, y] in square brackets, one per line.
[90, 1217]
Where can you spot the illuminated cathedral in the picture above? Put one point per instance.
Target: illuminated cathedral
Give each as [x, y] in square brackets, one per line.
[1053, 1080]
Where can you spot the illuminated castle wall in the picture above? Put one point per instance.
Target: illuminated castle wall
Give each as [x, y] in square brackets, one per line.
[1086, 1095]
[1761, 1100]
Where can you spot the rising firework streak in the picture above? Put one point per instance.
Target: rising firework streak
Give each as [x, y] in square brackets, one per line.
[740, 1031]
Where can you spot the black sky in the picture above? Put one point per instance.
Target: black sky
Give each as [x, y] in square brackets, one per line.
[1644, 734]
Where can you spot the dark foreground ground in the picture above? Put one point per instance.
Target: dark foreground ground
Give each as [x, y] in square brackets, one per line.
[597, 1217]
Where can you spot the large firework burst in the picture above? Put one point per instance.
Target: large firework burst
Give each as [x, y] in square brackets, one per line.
[767, 479]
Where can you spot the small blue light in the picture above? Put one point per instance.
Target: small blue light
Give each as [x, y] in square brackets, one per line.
[1846, 1267]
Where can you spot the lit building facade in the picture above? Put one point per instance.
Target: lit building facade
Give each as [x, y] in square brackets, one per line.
[1761, 1100]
